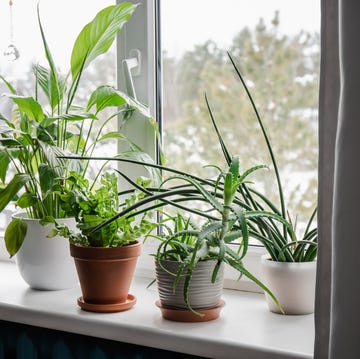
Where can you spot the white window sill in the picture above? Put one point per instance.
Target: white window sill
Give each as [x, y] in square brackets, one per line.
[245, 329]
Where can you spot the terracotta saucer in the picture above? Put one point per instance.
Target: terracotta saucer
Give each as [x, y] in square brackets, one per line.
[107, 308]
[185, 315]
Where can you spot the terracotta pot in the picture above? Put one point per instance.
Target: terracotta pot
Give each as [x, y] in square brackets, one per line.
[204, 296]
[105, 274]
[293, 284]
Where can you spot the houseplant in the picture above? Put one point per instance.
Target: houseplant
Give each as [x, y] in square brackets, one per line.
[289, 268]
[191, 248]
[42, 130]
[105, 260]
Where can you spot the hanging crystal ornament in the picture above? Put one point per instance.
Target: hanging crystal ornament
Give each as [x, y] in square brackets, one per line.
[11, 52]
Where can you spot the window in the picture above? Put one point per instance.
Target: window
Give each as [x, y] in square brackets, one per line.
[276, 45]
[182, 47]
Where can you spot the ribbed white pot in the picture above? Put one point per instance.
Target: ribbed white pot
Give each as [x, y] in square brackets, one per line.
[202, 293]
[293, 284]
[45, 263]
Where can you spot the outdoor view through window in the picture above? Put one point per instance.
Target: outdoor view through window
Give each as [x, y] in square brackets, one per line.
[276, 47]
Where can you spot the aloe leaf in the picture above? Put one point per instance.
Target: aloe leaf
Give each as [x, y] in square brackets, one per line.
[14, 235]
[244, 228]
[13, 187]
[98, 35]
[236, 264]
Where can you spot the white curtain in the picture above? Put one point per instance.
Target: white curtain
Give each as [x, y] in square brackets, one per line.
[337, 310]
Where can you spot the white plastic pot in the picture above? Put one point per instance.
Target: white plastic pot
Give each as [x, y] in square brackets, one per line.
[293, 284]
[45, 263]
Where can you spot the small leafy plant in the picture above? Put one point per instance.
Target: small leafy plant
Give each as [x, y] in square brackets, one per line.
[91, 205]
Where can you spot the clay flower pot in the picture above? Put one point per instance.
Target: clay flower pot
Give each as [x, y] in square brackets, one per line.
[105, 276]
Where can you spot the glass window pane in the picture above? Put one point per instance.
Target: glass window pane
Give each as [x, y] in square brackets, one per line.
[276, 46]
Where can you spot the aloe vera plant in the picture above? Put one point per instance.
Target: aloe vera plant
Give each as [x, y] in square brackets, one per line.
[38, 133]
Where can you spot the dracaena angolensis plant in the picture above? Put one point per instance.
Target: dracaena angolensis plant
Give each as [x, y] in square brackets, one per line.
[282, 244]
[32, 141]
[227, 217]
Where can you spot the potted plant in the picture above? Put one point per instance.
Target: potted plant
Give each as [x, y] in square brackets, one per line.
[42, 130]
[105, 260]
[289, 267]
[190, 257]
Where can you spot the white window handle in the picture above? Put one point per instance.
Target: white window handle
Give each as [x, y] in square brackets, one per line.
[131, 67]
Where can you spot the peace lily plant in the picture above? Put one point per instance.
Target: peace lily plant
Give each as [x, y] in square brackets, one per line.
[39, 132]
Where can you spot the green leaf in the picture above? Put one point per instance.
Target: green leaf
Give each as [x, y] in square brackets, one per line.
[4, 163]
[14, 186]
[112, 135]
[30, 107]
[8, 84]
[105, 96]
[54, 92]
[98, 35]
[49, 84]
[26, 200]
[14, 235]
[47, 176]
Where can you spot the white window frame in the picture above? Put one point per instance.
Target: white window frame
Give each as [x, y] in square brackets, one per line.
[147, 85]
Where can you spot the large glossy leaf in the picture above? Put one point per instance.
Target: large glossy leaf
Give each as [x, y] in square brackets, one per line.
[105, 96]
[98, 35]
[14, 235]
[13, 187]
[29, 106]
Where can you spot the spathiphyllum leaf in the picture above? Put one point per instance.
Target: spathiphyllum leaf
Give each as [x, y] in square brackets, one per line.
[29, 106]
[105, 96]
[98, 35]
[13, 187]
[4, 163]
[14, 235]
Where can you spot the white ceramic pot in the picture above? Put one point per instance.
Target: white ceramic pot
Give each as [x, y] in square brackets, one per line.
[202, 293]
[45, 263]
[293, 284]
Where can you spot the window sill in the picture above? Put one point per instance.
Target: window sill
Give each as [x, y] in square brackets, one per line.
[245, 328]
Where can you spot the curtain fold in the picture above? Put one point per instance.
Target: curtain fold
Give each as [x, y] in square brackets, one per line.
[337, 308]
